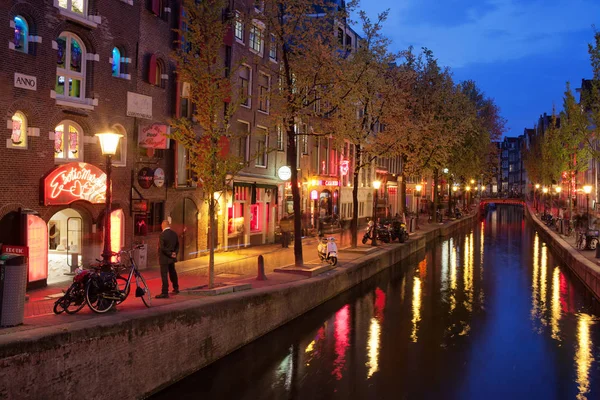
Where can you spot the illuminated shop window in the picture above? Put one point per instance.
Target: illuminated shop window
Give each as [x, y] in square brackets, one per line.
[18, 136]
[76, 6]
[70, 67]
[21, 34]
[116, 62]
[255, 224]
[68, 142]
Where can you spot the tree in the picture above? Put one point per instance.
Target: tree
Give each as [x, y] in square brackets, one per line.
[206, 136]
[309, 64]
[364, 119]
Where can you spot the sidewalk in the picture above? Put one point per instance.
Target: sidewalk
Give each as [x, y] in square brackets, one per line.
[237, 266]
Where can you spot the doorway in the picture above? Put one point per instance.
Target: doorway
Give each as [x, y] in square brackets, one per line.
[185, 223]
[65, 233]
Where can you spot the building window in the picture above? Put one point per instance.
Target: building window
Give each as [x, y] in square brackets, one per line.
[156, 71]
[242, 133]
[18, 136]
[185, 175]
[20, 39]
[264, 87]
[262, 136]
[116, 62]
[156, 214]
[273, 48]
[185, 105]
[256, 37]
[68, 142]
[280, 140]
[120, 158]
[255, 225]
[76, 6]
[245, 85]
[239, 27]
[70, 67]
[304, 139]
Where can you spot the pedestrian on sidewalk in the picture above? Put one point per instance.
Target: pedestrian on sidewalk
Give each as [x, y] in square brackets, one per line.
[168, 247]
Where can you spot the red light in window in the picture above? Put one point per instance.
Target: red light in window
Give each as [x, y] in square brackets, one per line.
[37, 241]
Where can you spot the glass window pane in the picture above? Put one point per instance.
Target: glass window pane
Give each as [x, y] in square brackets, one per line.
[74, 88]
[19, 130]
[75, 56]
[62, 48]
[58, 141]
[77, 6]
[63, 3]
[73, 142]
[21, 34]
[60, 85]
[116, 63]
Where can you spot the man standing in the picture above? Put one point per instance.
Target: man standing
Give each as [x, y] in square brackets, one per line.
[168, 247]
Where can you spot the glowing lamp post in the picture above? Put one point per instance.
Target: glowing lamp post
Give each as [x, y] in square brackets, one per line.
[587, 189]
[418, 188]
[108, 143]
[545, 190]
[468, 188]
[376, 186]
[454, 190]
[535, 200]
[558, 190]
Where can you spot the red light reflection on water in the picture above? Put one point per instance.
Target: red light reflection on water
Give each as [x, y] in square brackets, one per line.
[379, 304]
[342, 340]
[567, 295]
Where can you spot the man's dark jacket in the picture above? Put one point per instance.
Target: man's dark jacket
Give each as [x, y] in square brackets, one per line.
[168, 243]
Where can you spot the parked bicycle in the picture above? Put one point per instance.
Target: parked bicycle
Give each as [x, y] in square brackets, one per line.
[103, 290]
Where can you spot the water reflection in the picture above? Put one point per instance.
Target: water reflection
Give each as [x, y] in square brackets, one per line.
[584, 356]
[386, 339]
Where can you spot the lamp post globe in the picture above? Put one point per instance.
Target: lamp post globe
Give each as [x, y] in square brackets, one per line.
[376, 186]
[109, 142]
[587, 189]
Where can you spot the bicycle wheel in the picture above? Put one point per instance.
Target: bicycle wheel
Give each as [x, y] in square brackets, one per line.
[123, 288]
[94, 297]
[75, 299]
[58, 306]
[142, 286]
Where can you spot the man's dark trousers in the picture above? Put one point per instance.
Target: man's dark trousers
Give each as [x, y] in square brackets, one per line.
[168, 243]
[167, 271]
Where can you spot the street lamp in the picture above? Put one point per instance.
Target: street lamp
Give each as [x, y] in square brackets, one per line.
[376, 186]
[535, 200]
[588, 189]
[418, 188]
[468, 195]
[454, 189]
[545, 190]
[109, 141]
[558, 190]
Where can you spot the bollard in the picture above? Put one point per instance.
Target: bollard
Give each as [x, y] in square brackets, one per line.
[261, 269]
[597, 251]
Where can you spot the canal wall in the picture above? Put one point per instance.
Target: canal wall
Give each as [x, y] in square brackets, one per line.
[588, 271]
[134, 354]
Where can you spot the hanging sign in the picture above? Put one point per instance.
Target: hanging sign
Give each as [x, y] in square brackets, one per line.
[159, 177]
[74, 181]
[154, 136]
[145, 177]
[284, 173]
[344, 167]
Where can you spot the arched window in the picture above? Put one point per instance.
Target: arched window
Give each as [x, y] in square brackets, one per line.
[120, 157]
[116, 62]
[70, 67]
[18, 137]
[159, 73]
[68, 141]
[21, 34]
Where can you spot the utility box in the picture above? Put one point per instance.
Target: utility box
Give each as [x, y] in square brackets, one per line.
[13, 283]
[140, 256]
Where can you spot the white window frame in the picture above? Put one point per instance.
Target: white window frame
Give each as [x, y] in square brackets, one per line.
[280, 138]
[265, 159]
[69, 7]
[67, 123]
[268, 94]
[67, 73]
[122, 162]
[256, 38]
[273, 48]
[238, 28]
[248, 93]
[246, 141]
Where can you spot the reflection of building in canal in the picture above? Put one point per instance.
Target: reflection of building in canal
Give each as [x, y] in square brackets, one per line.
[584, 356]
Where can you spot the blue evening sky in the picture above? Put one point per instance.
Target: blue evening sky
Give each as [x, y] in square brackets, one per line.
[520, 52]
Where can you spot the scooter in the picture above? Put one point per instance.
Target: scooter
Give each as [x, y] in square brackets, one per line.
[369, 231]
[382, 233]
[327, 250]
[398, 231]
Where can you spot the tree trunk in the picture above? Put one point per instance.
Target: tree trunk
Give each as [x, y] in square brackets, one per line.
[211, 241]
[292, 157]
[436, 197]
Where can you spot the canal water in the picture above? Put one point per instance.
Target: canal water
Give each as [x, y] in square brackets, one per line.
[488, 313]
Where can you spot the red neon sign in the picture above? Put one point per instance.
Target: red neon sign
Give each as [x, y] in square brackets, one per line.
[75, 181]
[344, 167]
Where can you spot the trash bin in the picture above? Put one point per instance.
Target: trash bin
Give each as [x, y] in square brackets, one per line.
[412, 225]
[13, 282]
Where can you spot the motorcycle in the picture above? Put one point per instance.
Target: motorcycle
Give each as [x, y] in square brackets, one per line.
[327, 250]
[398, 231]
[381, 231]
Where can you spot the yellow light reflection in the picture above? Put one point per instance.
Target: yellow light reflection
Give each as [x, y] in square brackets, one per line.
[453, 257]
[556, 311]
[310, 347]
[583, 356]
[416, 308]
[373, 347]
[543, 284]
[481, 250]
[536, 271]
[468, 272]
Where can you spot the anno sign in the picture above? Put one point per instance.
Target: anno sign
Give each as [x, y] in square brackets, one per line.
[139, 105]
[74, 181]
[25, 81]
